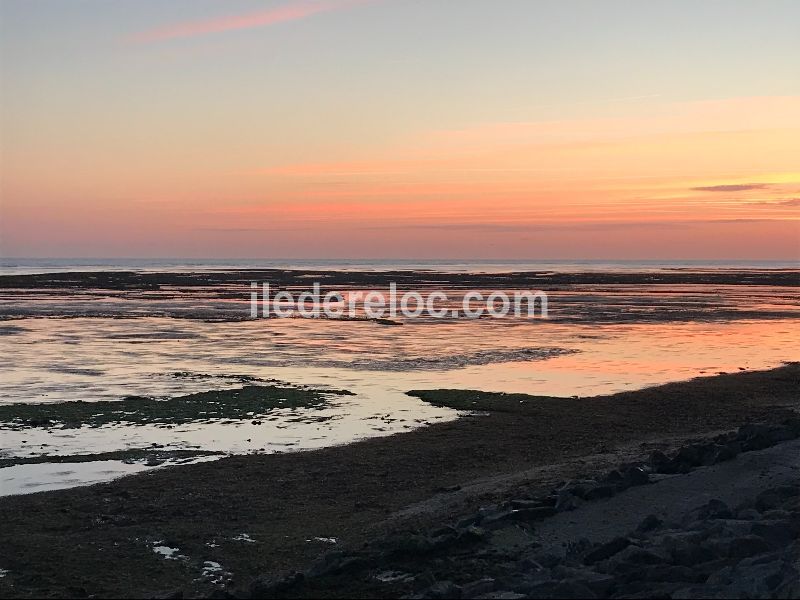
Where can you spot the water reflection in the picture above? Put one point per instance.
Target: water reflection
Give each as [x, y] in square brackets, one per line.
[55, 360]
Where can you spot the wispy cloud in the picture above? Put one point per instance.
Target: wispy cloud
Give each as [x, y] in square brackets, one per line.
[292, 11]
[790, 202]
[733, 187]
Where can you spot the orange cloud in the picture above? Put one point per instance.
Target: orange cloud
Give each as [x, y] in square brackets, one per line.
[288, 12]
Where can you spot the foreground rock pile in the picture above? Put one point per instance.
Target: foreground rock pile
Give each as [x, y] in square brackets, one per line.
[712, 551]
[716, 552]
[726, 446]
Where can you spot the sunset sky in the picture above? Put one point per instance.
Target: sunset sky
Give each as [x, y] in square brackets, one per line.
[400, 129]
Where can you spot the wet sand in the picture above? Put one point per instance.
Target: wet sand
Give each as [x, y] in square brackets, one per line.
[301, 278]
[223, 295]
[100, 540]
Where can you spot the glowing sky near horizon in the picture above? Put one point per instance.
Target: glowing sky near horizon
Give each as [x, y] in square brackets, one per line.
[400, 129]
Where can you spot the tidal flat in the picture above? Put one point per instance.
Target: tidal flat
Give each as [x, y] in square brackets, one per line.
[261, 516]
[203, 451]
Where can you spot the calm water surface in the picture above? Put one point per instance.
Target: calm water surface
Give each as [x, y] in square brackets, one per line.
[77, 358]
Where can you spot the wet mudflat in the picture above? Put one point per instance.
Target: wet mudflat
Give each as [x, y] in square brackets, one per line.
[292, 507]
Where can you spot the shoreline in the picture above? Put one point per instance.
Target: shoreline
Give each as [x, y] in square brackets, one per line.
[292, 505]
[224, 295]
[303, 278]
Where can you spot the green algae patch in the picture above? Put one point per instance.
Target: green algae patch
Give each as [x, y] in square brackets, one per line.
[145, 455]
[477, 401]
[248, 402]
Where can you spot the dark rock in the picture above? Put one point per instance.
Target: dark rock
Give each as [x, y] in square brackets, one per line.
[614, 478]
[660, 462]
[779, 433]
[523, 503]
[549, 500]
[606, 550]
[468, 521]
[793, 425]
[713, 509]
[274, 587]
[440, 590]
[556, 589]
[789, 588]
[778, 514]
[535, 503]
[777, 533]
[547, 561]
[472, 534]
[689, 457]
[758, 437]
[748, 514]
[755, 580]
[751, 430]
[523, 515]
[572, 589]
[646, 590]
[649, 523]
[760, 559]
[749, 545]
[333, 563]
[636, 476]
[528, 515]
[722, 454]
[478, 588]
[577, 548]
[599, 583]
[691, 554]
[669, 573]
[725, 527]
[441, 531]
[701, 591]
[173, 595]
[410, 544]
[637, 557]
[424, 580]
[579, 487]
[567, 501]
[775, 497]
[601, 491]
[498, 519]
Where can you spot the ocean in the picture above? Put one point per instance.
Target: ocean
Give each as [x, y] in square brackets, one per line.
[20, 266]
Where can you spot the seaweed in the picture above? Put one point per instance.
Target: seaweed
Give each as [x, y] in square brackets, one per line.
[244, 403]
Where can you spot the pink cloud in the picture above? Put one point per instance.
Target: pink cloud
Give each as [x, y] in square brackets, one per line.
[293, 11]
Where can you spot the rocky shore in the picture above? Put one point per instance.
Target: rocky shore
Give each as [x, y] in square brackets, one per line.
[713, 550]
[520, 497]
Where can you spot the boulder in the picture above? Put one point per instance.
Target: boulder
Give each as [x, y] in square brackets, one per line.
[777, 533]
[775, 497]
[566, 501]
[649, 523]
[478, 588]
[636, 476]
[660, 462]
[713, 509]
[606, 550]
[600, 491]
[749, 545]
[274, 586]
[440, 590]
